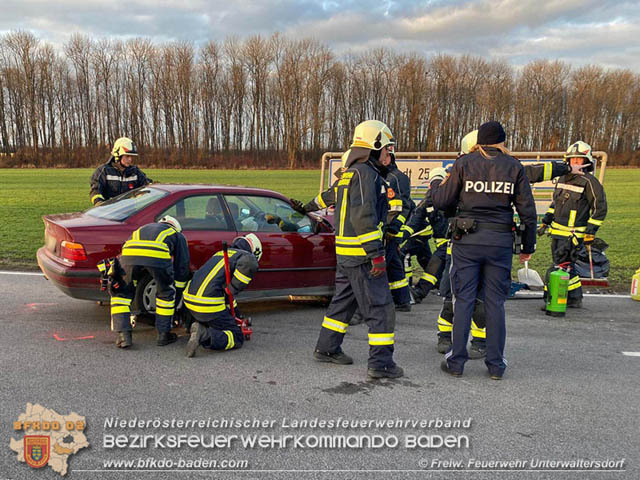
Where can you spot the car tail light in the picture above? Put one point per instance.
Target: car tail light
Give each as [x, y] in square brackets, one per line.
[73, 251]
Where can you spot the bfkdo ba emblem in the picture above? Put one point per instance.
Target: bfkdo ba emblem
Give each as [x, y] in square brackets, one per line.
[36, 450]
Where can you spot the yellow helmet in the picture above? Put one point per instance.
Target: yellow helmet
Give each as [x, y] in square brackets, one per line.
[468, 141]
[372, 134]
[124, 146]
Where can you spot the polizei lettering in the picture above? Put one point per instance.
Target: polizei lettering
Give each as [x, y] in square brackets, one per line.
[489, 187]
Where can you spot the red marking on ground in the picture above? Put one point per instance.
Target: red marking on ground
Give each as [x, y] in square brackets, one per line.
[61, 339]
[34, 306]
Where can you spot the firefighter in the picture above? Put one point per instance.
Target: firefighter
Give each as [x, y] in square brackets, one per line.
[215, 328]
[161, 250]
[484, 185]
[400, 207]
[578, 209]
[119, 174]
[361, 280]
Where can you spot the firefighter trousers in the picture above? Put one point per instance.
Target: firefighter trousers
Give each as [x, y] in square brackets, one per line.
[357, 289]
[165, 298]
[223, 333]
[434, 269]
[398, 282]
[565, 250]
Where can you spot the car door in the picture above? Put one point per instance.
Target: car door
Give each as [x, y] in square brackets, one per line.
[294, 257]
[205, 224]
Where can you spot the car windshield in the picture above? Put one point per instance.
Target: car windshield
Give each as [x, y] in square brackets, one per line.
[123, 206]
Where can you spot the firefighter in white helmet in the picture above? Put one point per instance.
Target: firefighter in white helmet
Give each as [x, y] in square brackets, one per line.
[578, 209]
[119, 174]
[361, 280]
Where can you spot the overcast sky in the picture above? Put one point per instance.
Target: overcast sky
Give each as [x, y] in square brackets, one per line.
[604, 32]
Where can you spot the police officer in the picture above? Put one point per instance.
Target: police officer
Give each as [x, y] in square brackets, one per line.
[215, 328]
[484, 185]
[400, 207]
[445, 317]
[361, 281]
[578, 209]
[118, 175]
[161, 250]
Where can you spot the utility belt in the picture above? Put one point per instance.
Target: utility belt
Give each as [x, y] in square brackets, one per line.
[458, 227]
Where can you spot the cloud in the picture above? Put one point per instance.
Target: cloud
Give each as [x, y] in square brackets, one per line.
[580, 31]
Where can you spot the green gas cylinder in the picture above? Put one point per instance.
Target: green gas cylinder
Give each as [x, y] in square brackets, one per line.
[557, 293]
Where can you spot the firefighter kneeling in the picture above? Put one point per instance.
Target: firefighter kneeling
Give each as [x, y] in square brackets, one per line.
[215, 327]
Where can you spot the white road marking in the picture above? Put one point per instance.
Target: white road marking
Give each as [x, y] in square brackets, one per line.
[631, 354]
[528, 293]
[4, 272]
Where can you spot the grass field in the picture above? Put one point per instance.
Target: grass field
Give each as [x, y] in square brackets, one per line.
[27, 194]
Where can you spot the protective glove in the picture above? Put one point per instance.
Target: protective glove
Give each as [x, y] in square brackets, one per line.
[589, 238]
[270, 218]
[542, 229]
[437, 173]
[297, 205]
[379, 266]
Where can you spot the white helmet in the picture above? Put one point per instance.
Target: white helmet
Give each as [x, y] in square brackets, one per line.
[468, 141]
[124, 146]
[255, 245]
[580, 149]
[372, 134]
[168, 219]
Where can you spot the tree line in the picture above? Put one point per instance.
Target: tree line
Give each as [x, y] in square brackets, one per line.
[280, 102]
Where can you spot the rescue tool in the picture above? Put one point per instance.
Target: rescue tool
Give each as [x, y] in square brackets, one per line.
[243, 323]
[529, 277]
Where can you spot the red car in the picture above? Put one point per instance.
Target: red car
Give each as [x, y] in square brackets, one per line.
[297, 259]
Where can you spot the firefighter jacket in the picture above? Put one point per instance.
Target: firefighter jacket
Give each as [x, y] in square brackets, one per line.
[325, 198]
[399, 194]
[154, 245]
[546, 171]
[578, 208]
[425, 216]
[205, 293]
[108, 181]
[360, 198]
[485, 190]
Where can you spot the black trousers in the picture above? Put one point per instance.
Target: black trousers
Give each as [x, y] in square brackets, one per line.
[565, 250]
[357, 289]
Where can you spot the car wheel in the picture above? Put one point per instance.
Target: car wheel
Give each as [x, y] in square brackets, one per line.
[145, 300]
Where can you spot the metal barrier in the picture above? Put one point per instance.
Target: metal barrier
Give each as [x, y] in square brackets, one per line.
[418, 164]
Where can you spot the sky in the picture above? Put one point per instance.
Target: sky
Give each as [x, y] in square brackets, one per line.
[579, 32]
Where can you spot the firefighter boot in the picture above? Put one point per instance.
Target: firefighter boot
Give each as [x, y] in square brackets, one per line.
[340, 357]
[444, 343]
[199, 334]
[124, 339]
[165, 338]
[388, 372]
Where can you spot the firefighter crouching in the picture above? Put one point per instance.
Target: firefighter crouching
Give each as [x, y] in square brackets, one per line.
[361, 280]
[150, 249]
[485, 185]
[207, 294]
[118, 175]
[578, 209]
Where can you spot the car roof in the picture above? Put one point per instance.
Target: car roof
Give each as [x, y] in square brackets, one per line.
[218, 188]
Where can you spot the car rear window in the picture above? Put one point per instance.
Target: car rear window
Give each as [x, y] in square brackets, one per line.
[123, 206]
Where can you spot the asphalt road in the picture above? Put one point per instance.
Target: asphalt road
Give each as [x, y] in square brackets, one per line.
[569, 392]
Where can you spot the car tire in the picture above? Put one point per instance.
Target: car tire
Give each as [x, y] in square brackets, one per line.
[144, 302]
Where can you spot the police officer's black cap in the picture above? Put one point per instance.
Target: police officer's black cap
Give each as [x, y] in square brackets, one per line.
[491, 133]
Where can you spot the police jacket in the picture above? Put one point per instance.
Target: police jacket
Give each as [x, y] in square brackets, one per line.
[546, 171]
[360, 197]
[205, 291]
[108, 181]
[579, 206]
[485, 190]
[399, 194]
[154, 245]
